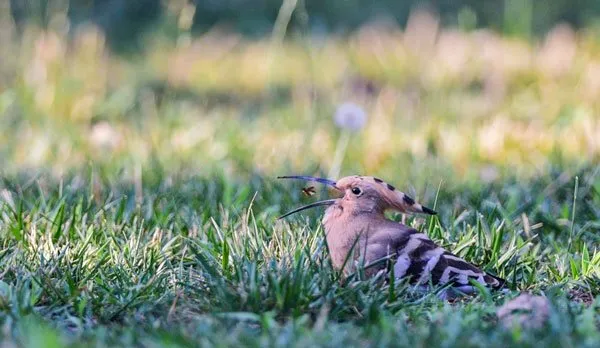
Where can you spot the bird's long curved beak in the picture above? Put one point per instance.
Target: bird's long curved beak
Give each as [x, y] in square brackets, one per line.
[312, 205]
[311, 178]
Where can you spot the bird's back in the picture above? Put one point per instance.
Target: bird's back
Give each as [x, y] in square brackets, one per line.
[424, 262]
[411, 253]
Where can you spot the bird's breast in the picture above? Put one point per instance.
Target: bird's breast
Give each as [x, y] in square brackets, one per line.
[342, 232]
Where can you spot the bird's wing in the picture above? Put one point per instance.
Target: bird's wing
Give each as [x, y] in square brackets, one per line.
[419, 258]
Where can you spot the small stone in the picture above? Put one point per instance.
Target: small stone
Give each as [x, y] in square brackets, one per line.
[526, 311]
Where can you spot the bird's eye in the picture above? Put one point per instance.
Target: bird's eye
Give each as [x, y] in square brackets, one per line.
[356, 190]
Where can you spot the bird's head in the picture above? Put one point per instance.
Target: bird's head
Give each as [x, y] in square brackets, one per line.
[363, 194]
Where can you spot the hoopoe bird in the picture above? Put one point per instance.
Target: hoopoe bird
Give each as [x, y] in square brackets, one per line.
[358, 233]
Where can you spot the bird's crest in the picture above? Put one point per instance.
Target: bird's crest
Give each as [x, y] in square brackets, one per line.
[395, 199]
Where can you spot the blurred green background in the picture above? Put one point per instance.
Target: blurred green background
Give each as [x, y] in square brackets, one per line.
[123, 20]
[475, 88]
[157, 91]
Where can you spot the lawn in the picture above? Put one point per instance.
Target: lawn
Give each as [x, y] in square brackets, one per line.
[138, 198]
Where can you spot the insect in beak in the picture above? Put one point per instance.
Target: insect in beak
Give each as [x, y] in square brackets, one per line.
[312, 205]
[309, 191]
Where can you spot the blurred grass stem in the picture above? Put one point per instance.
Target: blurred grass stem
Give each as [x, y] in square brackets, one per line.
[570, 242]
[340, 152]
[279, 30]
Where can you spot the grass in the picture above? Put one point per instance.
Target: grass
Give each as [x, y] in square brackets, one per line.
[138, 199]
[182, 268]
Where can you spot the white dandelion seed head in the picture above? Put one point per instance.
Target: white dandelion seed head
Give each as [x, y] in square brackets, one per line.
[350, 116]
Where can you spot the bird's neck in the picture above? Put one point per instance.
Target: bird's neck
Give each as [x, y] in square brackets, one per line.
[346, 232]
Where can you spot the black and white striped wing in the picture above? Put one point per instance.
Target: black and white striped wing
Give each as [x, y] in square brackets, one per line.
[419, 258]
